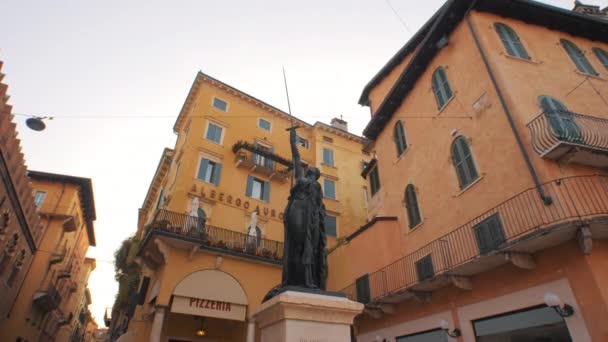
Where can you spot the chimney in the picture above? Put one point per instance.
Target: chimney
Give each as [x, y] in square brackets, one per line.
[339, 124]
[591, 10]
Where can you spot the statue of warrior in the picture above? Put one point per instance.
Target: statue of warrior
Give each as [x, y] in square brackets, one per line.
[304, 260]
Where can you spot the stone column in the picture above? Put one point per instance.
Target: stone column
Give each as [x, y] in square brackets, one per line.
[251, 330]
[157, 325]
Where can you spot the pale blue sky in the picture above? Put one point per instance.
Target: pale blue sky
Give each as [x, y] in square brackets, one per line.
[89, 61]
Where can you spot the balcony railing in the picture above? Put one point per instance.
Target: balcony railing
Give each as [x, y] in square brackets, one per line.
[193, 228]
[497, 230]
[256, 159]
[558, 133]
[47, 300]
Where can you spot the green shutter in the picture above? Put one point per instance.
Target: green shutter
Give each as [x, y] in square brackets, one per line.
[578, 57]
[266, 195]
[202, 169]
[602, 55]
[249, 186]
[363, 289]
[217, 174]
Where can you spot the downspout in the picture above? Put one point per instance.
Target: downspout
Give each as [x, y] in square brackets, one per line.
[546, 199]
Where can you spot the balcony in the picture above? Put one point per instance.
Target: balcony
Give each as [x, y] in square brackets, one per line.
[571, 138]
[69, 214]
[58, 256]
[510, 232]
[47, 300]
[258, 160]
[184, 231]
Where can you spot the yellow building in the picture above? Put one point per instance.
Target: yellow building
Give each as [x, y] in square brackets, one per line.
[211, 226]
[53, 290]
[490, 209]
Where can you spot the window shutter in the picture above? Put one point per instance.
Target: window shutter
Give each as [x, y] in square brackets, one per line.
[424, 268]
[490, 234]
[266, 195]
[217, 174]
[143, 290]
[411, 204]
[602, 55]
[249, 186]
[578, 57]
[268, 161]
[202, 169]
[363, 290]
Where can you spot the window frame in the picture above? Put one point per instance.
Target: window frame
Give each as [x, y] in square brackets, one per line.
[399, 138]
[43, 197]
[578, 58]
[216, 172]
[441, 88]
[464, 183]
[335, 192]
[335, 218]
[264, 189]
[221, 140]
[260, 120]
[511, 41]
[299, 139]
[333, 160]
[219, 99]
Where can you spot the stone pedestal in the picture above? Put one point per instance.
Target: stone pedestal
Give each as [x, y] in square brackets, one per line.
[306, 317]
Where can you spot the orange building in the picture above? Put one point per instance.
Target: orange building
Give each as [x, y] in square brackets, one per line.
[20, 229]
[53, 294]
[210, 232]
[489, 218]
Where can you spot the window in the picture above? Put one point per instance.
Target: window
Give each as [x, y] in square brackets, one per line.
[264, 124]
[411, 205]
[331, 225]
[39, 198]
[424, 268]
[436, 335]
[301, 141]
[220, 104]
[258, 189]
[176, 172]
[540, 323]
[441, 87]
[511, 41]
[214, 133]
[489, 234]
[328, 157]
[463, 162]
[329, 187]
[578, 57]
[363, 289]
[260, 159]
[374, 181]
[209, 171]
[399, 137]
[602, 55]
[561, 120]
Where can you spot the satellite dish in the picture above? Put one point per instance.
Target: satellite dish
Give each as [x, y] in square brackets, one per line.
[35, 123]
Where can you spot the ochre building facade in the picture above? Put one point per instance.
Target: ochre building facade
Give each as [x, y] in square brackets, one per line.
[211, 229]
[489, 210]
[52, 303]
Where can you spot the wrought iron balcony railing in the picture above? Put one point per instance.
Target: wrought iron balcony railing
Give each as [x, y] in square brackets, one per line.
[556, 133]
[522, 216]
[195, 229]
[47, 300]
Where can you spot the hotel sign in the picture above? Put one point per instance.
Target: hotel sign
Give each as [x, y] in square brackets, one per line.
[208, 308]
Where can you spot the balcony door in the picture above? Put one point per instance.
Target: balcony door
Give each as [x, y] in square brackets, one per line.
[260, 159]
[561, 120]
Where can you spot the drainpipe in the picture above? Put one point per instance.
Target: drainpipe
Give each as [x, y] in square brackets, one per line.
[546, 199]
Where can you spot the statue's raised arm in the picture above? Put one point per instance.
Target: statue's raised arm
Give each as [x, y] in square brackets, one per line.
[295, 154]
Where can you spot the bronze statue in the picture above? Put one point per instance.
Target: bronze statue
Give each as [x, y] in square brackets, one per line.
[304, 258]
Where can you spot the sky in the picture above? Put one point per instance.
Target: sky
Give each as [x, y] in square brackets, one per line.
[114, 75]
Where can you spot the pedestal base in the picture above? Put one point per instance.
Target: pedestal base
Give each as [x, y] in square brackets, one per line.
[306, 317]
